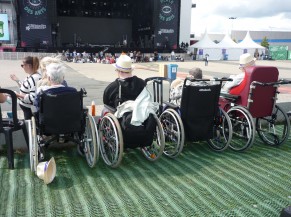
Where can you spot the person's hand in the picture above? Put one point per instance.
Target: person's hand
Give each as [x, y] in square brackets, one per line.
[19, 95]
[14, 77]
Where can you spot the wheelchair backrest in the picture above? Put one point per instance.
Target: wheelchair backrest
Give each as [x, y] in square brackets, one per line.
[199, 105]
[260, 99]
[61, 113]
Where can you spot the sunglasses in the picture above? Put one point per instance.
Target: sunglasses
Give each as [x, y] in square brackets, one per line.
[24, 64]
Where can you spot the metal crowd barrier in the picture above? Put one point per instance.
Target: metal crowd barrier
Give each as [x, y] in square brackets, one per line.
[21, 55]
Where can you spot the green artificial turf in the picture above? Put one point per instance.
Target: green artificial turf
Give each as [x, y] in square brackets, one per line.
[200, 182]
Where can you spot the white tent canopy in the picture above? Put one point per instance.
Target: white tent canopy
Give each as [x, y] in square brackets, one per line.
[249, 46]
[229, 48]
[248, 42]
[205, 42]
[227, 42]
[225, 49]
[206, 46]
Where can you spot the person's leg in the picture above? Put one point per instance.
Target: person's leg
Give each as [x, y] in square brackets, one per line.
[27, 112]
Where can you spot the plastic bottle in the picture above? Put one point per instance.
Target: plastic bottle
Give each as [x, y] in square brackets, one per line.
[93, 111]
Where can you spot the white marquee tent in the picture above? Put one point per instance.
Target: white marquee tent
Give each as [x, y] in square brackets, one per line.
[230, 48]
[249, 46]
[226, 48]
[206, 46]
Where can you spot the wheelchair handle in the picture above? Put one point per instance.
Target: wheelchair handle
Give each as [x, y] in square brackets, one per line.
[280, 82]
[284, 81]
[208, 79]
[157, 79]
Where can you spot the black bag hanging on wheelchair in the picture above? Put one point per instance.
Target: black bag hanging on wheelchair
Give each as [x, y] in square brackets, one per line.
[137, 136]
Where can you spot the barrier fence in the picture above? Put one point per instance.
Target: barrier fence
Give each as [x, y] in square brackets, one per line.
[21, 55]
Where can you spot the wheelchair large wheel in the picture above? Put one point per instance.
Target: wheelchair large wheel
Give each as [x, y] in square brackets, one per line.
[222, 132]
[111, 140]
[154, 152]
[174, 132]
[33, 146]
[274, 130]
[243, 128]
[91, 141]
[30, 139]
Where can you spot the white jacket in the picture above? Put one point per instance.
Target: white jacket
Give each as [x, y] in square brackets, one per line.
[141, 107]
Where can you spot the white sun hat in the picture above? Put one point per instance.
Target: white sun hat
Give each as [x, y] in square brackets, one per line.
[246, 60]
[47, 170]
[123, 63]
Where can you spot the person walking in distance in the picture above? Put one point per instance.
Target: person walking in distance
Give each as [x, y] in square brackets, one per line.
[206, 59]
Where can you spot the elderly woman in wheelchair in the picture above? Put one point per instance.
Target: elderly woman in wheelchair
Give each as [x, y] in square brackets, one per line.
[197, 118]
[129, 117]
[255, 98]
[59, 115]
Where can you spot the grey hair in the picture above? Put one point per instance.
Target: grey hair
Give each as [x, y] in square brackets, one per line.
[56, 72]
[45, 61]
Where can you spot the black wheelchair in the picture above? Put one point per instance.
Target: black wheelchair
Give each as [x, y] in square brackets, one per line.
[198, 118]
[62, 118]
[117, 135]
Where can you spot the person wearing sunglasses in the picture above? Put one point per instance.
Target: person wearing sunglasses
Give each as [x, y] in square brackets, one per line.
[27, 87]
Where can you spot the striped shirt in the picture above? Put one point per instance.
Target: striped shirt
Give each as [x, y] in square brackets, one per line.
[28, 87]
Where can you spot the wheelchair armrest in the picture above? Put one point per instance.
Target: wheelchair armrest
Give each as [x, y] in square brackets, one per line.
[229, 96]
[171, 105]
[111, 109]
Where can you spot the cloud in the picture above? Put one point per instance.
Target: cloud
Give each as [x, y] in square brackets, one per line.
[250, 8]
[251, 15]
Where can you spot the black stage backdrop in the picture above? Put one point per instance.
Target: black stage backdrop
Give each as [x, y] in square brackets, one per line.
[102, 31]
[35, 27]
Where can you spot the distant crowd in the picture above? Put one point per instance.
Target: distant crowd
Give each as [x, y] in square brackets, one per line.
[110, 58]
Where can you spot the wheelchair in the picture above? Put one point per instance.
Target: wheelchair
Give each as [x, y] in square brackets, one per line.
[198, 117]
[117, 135]
[252, 107]
[62, 118]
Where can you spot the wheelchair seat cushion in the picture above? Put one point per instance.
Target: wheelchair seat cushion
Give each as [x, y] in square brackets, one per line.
[137, 136]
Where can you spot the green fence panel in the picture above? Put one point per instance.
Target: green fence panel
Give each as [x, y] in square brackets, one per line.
[279, 55]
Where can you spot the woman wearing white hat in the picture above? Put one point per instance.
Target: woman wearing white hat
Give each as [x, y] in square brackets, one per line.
[131, 86]
[245, 60]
